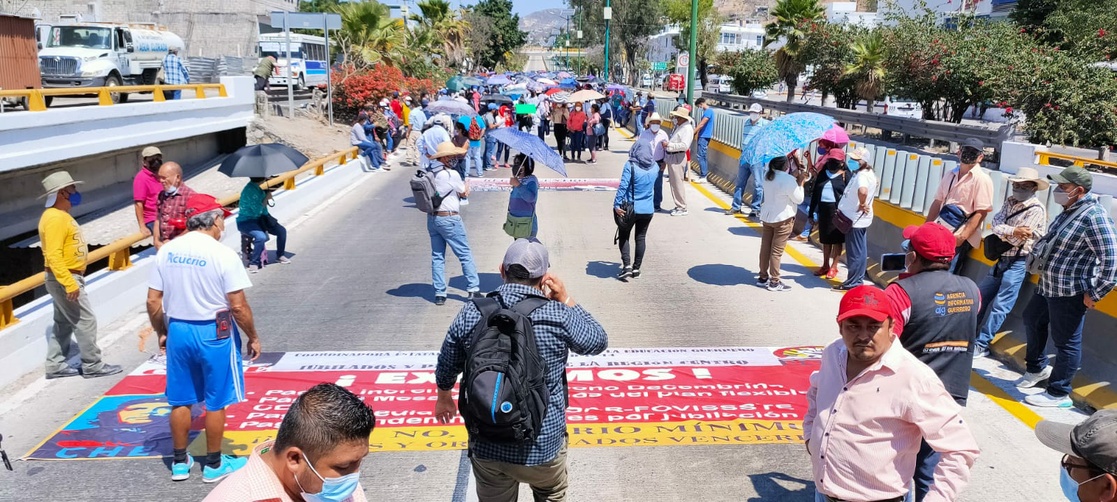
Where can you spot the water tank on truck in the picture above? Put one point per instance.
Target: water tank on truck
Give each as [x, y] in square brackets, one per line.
[104, 55]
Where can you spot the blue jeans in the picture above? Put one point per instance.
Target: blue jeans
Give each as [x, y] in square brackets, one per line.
[925, 462]
[746, 172]
[450, 230]
[577, 144]
[1061, 318]
[490, 152]
[371, 150]
[260, 237]
[472, 160]
[388, 142]
[639, 124]
[174, 95]
[857, 255]
[701, 151]
[998, 296]
[657, 193]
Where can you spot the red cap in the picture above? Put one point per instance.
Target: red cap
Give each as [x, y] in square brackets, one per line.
[865, 301]
[200, 203]
[836, 153]
[931, 241]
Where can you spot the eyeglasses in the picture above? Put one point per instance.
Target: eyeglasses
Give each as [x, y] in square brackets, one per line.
[1065, 462]
[1022, 185]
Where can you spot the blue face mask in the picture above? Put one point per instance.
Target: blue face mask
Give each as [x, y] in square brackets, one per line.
[333, 489]
[75, 199]
[1070, 486]
[821, 150]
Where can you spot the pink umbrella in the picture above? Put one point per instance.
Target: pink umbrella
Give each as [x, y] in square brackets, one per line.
[836, 135]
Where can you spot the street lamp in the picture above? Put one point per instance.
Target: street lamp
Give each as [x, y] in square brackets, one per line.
[608, 15]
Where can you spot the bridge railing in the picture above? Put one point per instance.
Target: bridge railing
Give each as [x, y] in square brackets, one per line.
[119, 252]
[36, 101]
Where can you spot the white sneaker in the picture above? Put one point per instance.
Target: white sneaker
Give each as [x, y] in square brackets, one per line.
[679, 212]
[1046, 400]
[463, 202]
[284, 260]
[252, 269]
[979, 353]
[1030, 380]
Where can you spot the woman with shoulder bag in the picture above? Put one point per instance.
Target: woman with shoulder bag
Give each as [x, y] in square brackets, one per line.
[827, 191]
[854, 215]
[593, 131]
[1021, 222]
[632, 206]
[522, 221]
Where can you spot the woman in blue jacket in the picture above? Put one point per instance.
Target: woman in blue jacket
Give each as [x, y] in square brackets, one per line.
[636, 186]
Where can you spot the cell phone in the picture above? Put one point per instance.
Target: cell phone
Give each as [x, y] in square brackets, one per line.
[224, 324]
[893, 262]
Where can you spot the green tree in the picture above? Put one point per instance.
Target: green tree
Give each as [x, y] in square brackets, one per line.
[709, 31]
[1030, 15]
[319, 5]
[791, 19]
[369, 35]
[867, 69]
[826, 48]
[750, 69]
[505, 36]
[447, 29]
[1083, 31]
[634, 21]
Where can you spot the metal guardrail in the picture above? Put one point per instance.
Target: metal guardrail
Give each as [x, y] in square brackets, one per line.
[1045, 158]
[941, 131]
[37, 103]
[119, 252]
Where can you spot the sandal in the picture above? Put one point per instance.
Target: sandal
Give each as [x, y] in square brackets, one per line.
[821, 272]
[832, 273]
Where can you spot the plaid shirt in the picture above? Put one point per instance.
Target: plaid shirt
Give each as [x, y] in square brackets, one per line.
[174, 73]
[170, 207]
[1084, 257]
[1034, 218]
[558, 330]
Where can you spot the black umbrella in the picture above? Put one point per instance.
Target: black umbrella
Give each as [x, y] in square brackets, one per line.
[496, 98]
[262, 161]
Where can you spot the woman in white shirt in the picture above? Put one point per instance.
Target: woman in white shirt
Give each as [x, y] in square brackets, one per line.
[857, 205]
[782, 195]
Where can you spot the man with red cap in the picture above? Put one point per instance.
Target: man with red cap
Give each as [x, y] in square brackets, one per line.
[871, 404]
[936, 314]
[195, 294]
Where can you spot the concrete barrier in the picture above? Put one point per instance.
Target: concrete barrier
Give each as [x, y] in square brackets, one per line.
[114, 294]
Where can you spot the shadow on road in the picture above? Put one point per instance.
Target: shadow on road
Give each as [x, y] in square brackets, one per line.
[720, 274]
[489, 281]
[771, 486]
[603, 269]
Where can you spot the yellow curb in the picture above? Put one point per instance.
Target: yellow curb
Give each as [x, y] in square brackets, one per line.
[1096, 395]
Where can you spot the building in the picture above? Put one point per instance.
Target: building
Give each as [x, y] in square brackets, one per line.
[736, 36]
[847, 13]
[209, 28]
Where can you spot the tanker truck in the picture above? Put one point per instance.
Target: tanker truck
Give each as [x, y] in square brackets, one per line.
[87, 54]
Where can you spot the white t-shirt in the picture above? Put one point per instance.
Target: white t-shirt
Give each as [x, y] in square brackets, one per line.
[850, 203]
[195, 272]
[782, 195]
[448, 183]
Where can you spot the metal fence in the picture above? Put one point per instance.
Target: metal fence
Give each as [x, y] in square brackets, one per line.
[210, 70]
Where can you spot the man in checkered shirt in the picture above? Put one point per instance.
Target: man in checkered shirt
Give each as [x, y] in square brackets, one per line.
[561, 326]
[1081, 269]
[174, 73]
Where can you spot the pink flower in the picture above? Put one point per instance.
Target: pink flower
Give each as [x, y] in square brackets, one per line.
[1102, 32]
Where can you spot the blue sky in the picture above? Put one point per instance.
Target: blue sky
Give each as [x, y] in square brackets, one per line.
[522, 7]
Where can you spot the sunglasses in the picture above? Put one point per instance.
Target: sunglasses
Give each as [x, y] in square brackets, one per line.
[1068, 465]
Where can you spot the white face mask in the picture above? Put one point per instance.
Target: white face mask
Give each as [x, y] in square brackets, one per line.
[654, 128]
[754, 116]
[171, 190]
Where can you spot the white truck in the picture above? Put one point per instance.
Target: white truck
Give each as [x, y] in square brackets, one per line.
[103, 55]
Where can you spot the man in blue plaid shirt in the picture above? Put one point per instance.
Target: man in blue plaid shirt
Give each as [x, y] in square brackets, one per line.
[561, 326]
[1081, 269]
[174, 73]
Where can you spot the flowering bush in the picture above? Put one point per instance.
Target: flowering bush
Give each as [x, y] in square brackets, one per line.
[354, 89]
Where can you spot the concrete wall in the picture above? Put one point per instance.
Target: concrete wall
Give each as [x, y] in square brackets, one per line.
[114, 294]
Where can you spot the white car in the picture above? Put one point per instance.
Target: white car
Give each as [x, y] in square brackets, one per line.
[724, 84]
[902, 107]
[759, 94]
[646, 82]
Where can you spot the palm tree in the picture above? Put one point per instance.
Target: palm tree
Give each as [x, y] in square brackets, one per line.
[446, 26]
[370, 35]
[868, 66]
[791, 19]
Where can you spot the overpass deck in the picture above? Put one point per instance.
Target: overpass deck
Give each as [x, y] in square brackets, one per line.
[360, 281]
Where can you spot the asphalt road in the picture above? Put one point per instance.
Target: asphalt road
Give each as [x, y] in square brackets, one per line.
[360, 279]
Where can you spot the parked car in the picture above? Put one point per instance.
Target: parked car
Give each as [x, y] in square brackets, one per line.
[759, 94]
[724, 82]
[646, 82]
[895, 106]
[659, 81]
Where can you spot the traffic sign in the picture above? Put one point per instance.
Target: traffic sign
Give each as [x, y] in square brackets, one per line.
[659, 66]
[682, 61]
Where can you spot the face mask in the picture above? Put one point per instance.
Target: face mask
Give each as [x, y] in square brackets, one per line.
[577, 108]
[154, 164]
[75, 199]
[1022, 194]
[1061, 197]
[754, 116]
[333, 489]
[821, 150]
[969, 156]
[171, 190]
[833, 167]
[654, 127]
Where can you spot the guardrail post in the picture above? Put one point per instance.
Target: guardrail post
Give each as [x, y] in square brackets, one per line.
[104, 98]
[35, 102]
[7, 314]
[200, 92]
[289, 183]
[157, 94]
[221, 91]
[120, 260]
[320, 169]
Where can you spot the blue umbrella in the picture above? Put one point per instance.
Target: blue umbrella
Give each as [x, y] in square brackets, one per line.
[568, 83]
[498, 80]
[532, 146]
[450, 107]
[785, 134]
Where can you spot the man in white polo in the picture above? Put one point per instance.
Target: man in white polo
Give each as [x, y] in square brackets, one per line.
[195, 294]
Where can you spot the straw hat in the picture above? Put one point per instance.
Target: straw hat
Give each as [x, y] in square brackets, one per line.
[1030, 174]
[447, 149]
[654, 117]
[57, 181]
[681, 112]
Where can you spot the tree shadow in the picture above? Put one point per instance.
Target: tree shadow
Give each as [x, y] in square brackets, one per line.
[720, 274]
[603, 269]
[767, 488]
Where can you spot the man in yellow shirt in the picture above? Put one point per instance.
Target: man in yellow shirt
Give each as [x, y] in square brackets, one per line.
[65, 250]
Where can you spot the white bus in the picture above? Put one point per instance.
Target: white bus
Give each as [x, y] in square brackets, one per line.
[309, 59]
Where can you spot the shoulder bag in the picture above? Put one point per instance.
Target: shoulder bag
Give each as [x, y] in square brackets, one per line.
[993, 246]
[1041, 251]
[519, 227]
[628, 206]
[840, 221]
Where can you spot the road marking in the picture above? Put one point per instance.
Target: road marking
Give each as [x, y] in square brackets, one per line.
[978, 382]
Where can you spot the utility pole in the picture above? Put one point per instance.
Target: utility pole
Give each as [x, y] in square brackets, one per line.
[608, 16]
[693, 51]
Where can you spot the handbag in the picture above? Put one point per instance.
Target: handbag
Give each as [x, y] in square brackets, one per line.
[993, 246]
[1041, 251]
[842, 222]
[628, 206]
[519, 227]
[598, 129]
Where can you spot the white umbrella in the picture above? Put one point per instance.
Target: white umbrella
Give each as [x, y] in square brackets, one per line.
[586, 95]
[560, 97]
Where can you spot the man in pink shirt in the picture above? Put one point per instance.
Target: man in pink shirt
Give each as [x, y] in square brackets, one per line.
[963, 200]
[870, 405]
[316, 455]
[146, 188]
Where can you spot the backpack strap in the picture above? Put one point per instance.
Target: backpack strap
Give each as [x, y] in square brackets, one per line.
[487, 306]
[528, 305]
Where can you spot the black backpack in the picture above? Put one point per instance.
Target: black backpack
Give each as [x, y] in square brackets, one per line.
[503, 395]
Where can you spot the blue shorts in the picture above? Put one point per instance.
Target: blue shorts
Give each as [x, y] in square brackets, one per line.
[201, 368]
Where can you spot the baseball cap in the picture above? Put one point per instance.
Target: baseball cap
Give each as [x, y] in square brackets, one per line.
[974, 143]
[931, 241]
[1093, 439]
[1076, 175]
[865, 301]
[201, 203]
[150, 151]
[860, 153]
[756, 108]
[530, 254]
